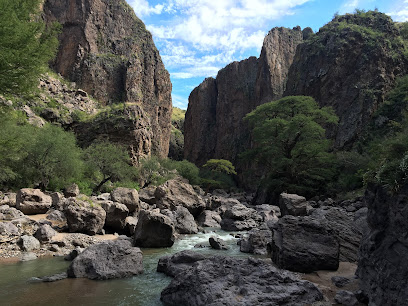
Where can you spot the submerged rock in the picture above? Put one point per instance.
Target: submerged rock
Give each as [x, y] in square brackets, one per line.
[231, 281]
[107, 260]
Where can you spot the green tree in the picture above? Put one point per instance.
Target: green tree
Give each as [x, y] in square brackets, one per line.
[53, 159]
[105, 162]
[13, 137]
[26, 45]
[220, 165]
[291, 146]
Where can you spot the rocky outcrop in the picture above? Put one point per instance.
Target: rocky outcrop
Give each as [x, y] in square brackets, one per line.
[213, 123]
[304, 244]
[230, 281]
[382, 265]
[108, 52]
[114, 259]
[154, 230]
[350, 64]
[32, 201]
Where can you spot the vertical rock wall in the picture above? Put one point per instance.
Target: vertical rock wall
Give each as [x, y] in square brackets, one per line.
[108, 52]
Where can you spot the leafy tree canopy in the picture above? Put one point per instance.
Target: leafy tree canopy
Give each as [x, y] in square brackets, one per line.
[26, 45]
[220, 165]
[290, 144]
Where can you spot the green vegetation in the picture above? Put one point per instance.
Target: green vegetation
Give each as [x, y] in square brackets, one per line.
[26, 45]
[108, 162]
[220, 166]
[291, 145]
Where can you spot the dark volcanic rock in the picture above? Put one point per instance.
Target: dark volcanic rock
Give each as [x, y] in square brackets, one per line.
[183, 221]
[257, 241]
[343, 67]
[240, 218]
[116, 214]
[382, 265]
[343, 226]
[217, 243]
[213, 125]
[293, 204]
[108, 52]
[209, 218]
[45, 233]
[113, 259]
[179, 262]
[304, 244]
[154, 230]
[127, 196]
[230, 281]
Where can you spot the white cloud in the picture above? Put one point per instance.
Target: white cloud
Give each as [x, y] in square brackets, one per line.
[142, 8]
[399, 12]
[179, 101]
[349, 6]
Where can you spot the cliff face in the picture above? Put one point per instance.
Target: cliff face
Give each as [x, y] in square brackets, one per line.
[350, 64]
[382, 265]
[213, 125]
[107, 51]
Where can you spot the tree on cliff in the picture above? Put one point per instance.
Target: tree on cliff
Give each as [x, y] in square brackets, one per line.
[26, 45]
[290, 144]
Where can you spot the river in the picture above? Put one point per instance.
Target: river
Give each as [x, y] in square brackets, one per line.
[142, 290]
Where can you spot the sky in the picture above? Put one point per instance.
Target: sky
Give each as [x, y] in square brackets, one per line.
[197, 38]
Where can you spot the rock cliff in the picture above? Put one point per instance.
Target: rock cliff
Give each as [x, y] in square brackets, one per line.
[384, 249]
[350, 64]
[108, 52]
[213, 124]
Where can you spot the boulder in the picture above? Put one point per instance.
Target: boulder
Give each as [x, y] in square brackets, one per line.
[340, 281]
[116, 214]
[179, 262]
[293, 204]
[182, 219]
[154, 230]
[209, 218]
[107, 260]
[257, 241]
[346, 298]
[304, 244]
[178, 192]
[268, 212]
[9, 199]
[32, 201]
[28, 243]
[8, 229]
[57, 199]
[217, 243]
[147, 195]
[71, 191]
[8, 213]
[220, 203]
[231, 281]
[130, 225]
[45, 233]
[84, 217]
[127, 196]
[56, 215]
[343, 226]
[73, 254]
[240, 218]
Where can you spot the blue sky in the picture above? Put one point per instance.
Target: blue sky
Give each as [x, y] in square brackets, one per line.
[196, 38]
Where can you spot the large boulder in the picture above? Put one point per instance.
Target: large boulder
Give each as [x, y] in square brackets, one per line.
[8, 213]
[178, 192]
[293, 204]
[28, 243]
[231, 281]
[183, 220]
[154, 230]
[45, 233]
[8, 229]
[32, 201]
[209, 218]
[343, 226]
[127, 196]
[240, 218]
[113, 259]
[116, 214]
[71, 191]
[257, 241]
[382, 266]
[84, 216]
[304, 244]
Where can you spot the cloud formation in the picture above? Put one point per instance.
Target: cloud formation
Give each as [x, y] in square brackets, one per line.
[200, 37]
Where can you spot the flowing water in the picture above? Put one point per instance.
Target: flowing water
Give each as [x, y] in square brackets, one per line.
[16, 289]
